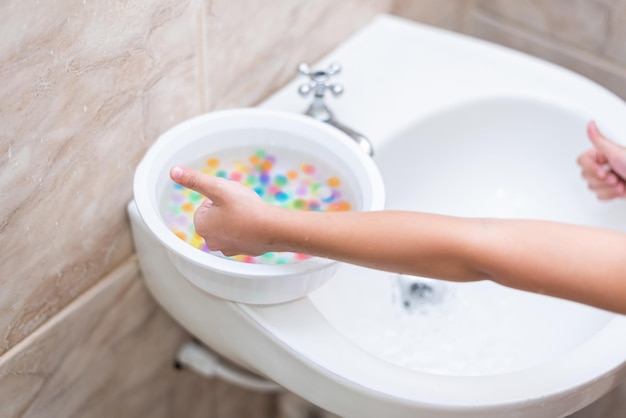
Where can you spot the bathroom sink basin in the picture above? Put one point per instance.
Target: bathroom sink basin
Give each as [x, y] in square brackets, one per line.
[480, 159]
[459, 127]
[466, 128]
[469, 349]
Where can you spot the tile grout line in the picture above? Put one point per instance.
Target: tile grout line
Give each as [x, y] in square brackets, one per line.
[203, 56]
[126, 270]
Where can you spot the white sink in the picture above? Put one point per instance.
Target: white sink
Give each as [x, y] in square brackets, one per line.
[463, 127]
[486, 158]
[459, 127]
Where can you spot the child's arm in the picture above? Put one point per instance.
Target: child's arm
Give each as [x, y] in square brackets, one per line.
[582, 264]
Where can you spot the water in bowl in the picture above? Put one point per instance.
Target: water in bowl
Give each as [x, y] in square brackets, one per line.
[280, 176]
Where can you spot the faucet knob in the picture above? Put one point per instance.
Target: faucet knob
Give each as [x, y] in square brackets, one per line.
[319, 80]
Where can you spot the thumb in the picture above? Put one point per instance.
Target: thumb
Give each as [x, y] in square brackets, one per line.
[208, 186]
[605, 146]
[608, 150]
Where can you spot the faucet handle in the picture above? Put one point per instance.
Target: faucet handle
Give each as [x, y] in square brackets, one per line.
[319, 80]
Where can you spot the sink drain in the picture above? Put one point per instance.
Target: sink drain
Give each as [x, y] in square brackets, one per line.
[417, 291]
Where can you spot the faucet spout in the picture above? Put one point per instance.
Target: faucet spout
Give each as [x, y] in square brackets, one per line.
[362, 141]
[319, 83]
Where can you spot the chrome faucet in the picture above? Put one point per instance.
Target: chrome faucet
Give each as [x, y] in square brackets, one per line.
[319, 83]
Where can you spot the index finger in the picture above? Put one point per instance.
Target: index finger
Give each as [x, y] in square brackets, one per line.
[208, 186]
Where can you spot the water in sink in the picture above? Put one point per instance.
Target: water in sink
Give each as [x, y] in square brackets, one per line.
[473, 329]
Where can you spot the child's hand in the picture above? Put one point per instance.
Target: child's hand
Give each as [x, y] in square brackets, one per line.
[604, 166]
[233, 218]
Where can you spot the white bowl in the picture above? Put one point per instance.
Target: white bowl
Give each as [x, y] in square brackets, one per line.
[219, 131]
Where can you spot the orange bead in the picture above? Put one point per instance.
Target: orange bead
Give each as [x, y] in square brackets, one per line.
[266, 165]
[292, 175]
[187, 207]
[213, 162]
[254, 160]
[181, 235]
[339, 207]
[344, 206]
[333, 182]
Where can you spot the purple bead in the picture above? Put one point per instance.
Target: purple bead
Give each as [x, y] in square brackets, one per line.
[178, 198]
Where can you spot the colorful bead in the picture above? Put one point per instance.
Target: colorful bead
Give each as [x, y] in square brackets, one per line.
[298, 204]
[333, 182]
[251, 180]
[266, 165]
[281, 196]
[324, 193]
[307, 168]
[195, 197]
[280, 180]
[264, 178]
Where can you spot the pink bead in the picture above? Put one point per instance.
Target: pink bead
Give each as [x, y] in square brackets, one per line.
[273, 190]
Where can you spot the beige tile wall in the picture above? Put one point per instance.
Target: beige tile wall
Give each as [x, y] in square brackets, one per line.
[448, 14]
[246, 67]
[108, 353]
[587, 36]
[87, 86]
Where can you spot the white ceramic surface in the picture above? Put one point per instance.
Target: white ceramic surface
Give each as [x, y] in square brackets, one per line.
[460, 127]
[491, 161]
[199, 138]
